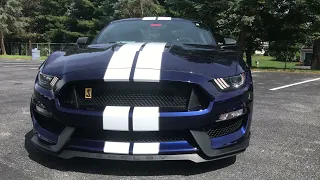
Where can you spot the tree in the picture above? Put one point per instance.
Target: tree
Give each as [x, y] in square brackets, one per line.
[51, 18]
[82, 19]
[243, 20]
[294, 24]
[29, 13]
[118, 9]
[202, 10]
[229, 18]
[284, 50]
[137, 8]
[11, 20]
[314, 37]
[107, 11]
[285, 23]
[316, 55]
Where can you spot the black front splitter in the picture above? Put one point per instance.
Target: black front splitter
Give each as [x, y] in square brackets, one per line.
[202, 139]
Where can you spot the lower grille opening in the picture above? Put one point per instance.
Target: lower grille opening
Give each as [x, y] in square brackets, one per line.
[144, 137]
[49, 124]
[168, 96]
[224, 128]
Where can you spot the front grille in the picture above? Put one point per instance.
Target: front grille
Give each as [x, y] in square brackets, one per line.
[144, 137]
[224, 128]
[48, 123]
[173, 96]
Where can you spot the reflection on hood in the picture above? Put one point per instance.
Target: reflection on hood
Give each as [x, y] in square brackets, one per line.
[207, 60]
[203, 54]
[191, 52]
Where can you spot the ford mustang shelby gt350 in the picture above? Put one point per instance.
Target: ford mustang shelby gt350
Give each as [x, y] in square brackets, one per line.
[145, 89]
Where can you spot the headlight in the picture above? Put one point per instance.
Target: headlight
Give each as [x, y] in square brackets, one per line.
[230, 83]
[47, 81]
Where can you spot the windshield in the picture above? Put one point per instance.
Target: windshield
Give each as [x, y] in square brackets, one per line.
[156, 31]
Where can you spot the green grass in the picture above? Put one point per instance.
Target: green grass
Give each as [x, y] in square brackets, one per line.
[19, 57]
[306, 71]
[268, 62]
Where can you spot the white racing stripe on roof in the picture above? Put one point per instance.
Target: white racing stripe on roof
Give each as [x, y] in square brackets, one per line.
[146, 148]
[116, 147]
[164, 18]
[149, 18]
[120, 64]
[145, 119]
[149, 63]
[116, 118]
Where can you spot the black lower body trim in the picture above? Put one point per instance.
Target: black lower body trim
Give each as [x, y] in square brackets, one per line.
[190, 157]
[204, 143]
[62, 140]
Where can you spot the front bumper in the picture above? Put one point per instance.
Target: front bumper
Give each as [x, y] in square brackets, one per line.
[204, 152]
[194, 157]
[198, 146]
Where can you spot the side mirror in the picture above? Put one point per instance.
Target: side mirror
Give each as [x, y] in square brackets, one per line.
[82, 41]
[230, 41]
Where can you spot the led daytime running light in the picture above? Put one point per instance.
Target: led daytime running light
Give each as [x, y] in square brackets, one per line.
[230, 83]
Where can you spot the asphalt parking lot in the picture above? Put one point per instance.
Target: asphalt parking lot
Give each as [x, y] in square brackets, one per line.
[285, 141]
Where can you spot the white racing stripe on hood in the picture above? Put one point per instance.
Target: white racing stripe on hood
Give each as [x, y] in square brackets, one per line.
[116, 118]
[120, 64]
[145, 119]
[149, 62]
[116, 147]
[146, 148]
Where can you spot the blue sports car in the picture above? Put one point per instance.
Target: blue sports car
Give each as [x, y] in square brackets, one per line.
[144, 89]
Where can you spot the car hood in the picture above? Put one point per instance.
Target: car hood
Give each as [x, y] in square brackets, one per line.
[209, 61]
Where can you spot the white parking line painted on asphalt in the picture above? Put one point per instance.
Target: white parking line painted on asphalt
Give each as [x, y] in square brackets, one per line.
[294, 84]
[7, 64]
[22, 66]
[34, 68]
[25, 112]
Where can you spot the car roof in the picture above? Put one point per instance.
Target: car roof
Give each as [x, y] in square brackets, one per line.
[154, 19]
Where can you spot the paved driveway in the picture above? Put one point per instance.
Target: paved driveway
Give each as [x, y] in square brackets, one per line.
[285, 140]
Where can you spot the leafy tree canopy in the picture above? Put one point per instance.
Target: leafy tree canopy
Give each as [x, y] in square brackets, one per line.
[287, 24]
